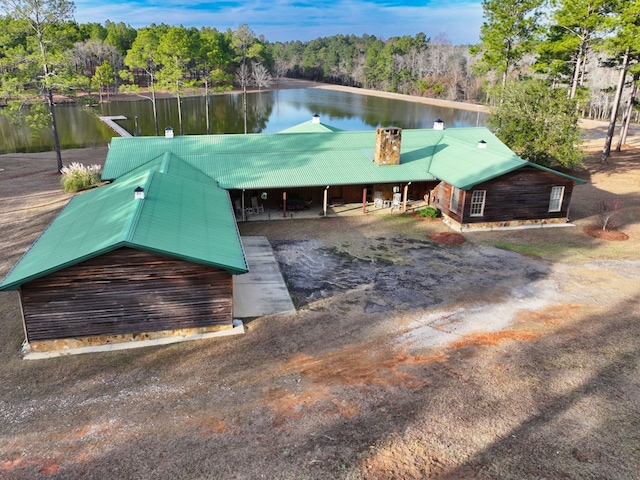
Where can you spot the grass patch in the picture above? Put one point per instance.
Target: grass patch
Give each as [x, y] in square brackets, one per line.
[546, 251]
[398, 219]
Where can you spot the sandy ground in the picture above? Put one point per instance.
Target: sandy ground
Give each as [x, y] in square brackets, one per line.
[514, 355]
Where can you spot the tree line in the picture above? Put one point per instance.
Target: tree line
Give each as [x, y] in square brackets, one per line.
[572, 46]
[584, 53]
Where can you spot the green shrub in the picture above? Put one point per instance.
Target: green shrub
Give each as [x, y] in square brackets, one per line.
[429, 212]
[77, 177]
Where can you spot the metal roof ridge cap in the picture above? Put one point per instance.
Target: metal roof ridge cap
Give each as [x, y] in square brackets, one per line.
[130, 226]
[166, 160]
[433, 154]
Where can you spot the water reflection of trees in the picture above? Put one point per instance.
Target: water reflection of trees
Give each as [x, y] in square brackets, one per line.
[79, 128]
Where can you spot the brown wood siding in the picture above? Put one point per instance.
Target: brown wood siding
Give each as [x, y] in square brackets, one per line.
[441, 198]
[124, 292]
[520, 195]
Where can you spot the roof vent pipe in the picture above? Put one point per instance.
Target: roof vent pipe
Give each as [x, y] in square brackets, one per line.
[438, 125]
[168, 132]
[315, 119]
[138, 193]
[482, 144]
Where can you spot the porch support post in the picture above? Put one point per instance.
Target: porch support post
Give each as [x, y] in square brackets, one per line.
[364, 200]
[404, 197]
[284, 204]
[324, 201]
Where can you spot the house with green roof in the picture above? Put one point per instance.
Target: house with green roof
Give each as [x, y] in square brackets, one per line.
[151, 255]
[468, 173]
[148, 257]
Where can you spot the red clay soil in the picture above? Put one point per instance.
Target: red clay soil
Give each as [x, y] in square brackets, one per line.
[447, 238]
[610, 235]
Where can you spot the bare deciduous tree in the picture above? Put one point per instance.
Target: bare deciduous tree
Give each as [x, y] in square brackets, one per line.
[260, 76]
[607, 211]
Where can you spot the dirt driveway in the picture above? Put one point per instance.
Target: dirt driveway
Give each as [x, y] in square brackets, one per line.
[514, 355]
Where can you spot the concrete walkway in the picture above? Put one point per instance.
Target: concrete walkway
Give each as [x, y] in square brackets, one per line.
[262, 291]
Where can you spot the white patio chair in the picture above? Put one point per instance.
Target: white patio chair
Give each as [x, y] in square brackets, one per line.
[377, 199]
[257, 208]
[396, 202]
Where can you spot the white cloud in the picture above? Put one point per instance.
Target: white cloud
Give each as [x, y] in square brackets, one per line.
[279, 20]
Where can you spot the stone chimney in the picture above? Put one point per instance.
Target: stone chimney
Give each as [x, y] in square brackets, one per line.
[438, 125]
[315, 119]
[387, 148]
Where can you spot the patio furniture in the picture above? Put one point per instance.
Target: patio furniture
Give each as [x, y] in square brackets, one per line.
[237, 206]
[378, 202]
[396, 202]
[257, 208]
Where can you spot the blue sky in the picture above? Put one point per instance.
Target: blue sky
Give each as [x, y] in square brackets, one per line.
[280, 20]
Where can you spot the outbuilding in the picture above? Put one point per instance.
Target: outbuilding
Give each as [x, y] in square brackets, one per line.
[148, 259]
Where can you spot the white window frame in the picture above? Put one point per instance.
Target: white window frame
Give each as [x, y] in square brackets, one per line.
[556, 198]
[477, 202]
[454, 200]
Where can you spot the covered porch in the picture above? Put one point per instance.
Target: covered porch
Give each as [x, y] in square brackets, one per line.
[313, 202]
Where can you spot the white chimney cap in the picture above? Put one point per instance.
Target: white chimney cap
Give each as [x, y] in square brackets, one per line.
[168, 132]
[315, 119]
[482, 144]
[438, 125]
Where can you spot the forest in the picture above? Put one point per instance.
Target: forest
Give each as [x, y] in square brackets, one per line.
[586, 49]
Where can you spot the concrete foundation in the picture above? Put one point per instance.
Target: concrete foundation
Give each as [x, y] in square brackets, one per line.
[74, 346]
[510, 225]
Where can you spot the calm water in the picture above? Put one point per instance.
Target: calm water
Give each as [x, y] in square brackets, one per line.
[268, 112]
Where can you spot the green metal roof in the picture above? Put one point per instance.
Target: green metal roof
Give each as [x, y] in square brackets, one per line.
[184, 215]
[187, 212]
[311, 127]
[260, 161]
[460, 162]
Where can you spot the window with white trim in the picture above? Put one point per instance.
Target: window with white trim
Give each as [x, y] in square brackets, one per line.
[453, 201]
[477, 202]
[555, 201]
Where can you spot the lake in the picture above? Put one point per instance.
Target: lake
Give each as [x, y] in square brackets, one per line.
[268, 112]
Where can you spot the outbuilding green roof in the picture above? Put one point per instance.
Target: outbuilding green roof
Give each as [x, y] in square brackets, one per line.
[308, 159]
[183, 215]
